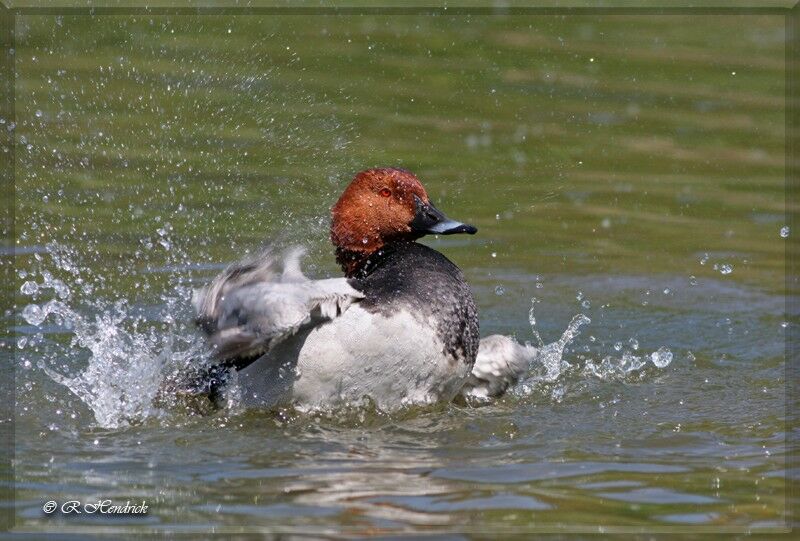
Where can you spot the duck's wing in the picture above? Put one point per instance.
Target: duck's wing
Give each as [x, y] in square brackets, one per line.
[250, 307]
[500, 363]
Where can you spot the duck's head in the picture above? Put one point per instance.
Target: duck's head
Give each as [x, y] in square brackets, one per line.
[383, 206]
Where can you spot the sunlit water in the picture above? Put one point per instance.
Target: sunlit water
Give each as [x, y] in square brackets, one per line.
[650, 280]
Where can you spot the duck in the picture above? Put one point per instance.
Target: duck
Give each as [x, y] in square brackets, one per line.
[400, 328]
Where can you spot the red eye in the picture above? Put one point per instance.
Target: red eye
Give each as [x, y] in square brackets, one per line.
[385, 192]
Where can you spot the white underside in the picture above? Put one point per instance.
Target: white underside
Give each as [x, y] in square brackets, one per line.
[394, 361]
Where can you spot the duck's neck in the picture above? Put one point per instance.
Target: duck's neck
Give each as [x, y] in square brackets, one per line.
[359, 264]
[350, 260]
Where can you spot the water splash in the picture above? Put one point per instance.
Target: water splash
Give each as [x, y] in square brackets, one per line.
[532, 321]
[125, 367]
[552, 355]
[549, 363]
[550, 366]
[611, 367]
[127, 356]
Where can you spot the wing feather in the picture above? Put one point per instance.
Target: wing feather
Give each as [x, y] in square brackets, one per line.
[250, 307]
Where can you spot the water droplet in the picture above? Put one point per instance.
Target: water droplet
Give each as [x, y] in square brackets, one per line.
[494, 254]
[500, 291]
[618, 346]
[29, 288]
[784, 324]
[364, 240]
[60, 288]
[634, 343]
[667, 291]
[662, 357]
[38, 113]
[784, 231]
[726, 268]
[33, 314]
[692, 280]
[586, 304]
[704, 259]
[579, 295]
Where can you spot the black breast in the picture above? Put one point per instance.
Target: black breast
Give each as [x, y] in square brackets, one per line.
[419, 279]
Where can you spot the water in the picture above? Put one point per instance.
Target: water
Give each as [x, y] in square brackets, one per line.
[630, 199]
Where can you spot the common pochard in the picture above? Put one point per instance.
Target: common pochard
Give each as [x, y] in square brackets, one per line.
[400, 328]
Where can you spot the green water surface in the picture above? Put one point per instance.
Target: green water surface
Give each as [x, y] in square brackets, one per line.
[616, 166]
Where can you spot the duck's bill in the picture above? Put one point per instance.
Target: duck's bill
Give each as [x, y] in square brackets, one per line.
[431, 221]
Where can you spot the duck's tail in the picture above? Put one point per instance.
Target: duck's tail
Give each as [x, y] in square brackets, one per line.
[501, 362]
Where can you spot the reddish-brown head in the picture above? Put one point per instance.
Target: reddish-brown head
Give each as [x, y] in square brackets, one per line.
[381, 206]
